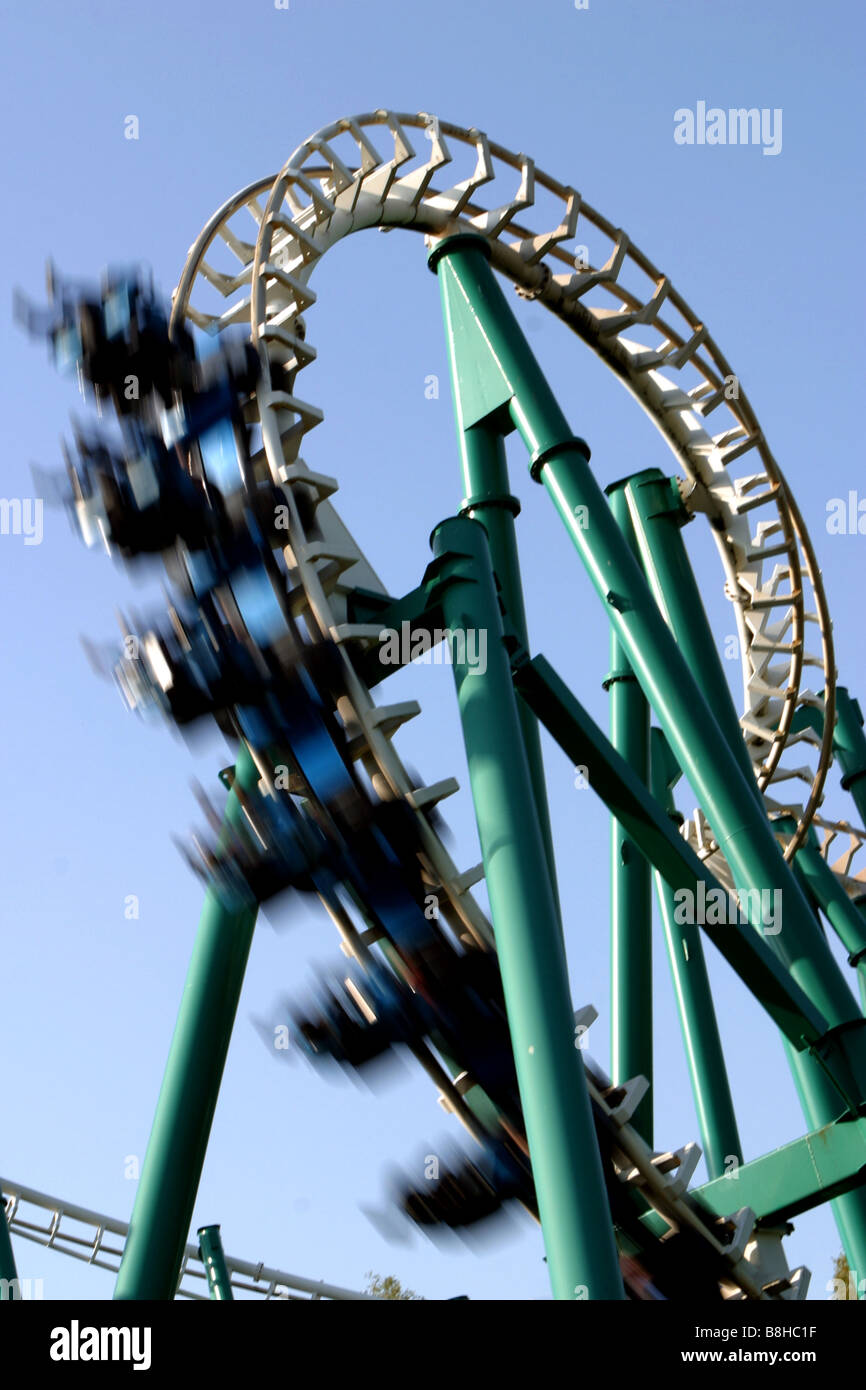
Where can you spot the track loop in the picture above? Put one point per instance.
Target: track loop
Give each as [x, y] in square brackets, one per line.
[364, 171]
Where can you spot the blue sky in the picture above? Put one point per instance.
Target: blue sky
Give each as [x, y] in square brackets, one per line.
[765, 249]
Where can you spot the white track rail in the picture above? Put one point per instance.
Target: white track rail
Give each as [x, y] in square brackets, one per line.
[99, 1240]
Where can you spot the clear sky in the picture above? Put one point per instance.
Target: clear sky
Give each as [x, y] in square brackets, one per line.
[765, 249]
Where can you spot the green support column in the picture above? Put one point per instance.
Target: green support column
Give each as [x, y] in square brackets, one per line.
[631, 985]
[162, 1212]
[569, 1182]
[658, 516]
[487, 498]
[219, 1282]
[508, 374]
[8, 1272]
[849, 746]
[841, 912]
[720, 1139]
[817, 1101]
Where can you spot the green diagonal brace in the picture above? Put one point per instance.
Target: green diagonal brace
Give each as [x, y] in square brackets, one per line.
[611, 777]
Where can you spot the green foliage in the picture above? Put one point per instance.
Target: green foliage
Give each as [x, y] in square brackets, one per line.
[388, 1287]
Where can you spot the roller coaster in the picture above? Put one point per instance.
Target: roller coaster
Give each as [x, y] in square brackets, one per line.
[281, 632]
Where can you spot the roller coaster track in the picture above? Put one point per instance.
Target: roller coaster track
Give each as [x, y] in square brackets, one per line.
[271, 235]
[613, 297]
[98, 1240]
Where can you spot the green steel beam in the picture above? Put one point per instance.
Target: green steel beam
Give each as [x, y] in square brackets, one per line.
[658, 516]
[487, 499]
[792, 1011]
[717, 1122]
[219, 1282]
[8, 1272]
[163, 1207]
[796, 1177]
[849, 745]
[793, 1179]
[817, 1100]
[566, 1164]
[653, 831]
[631, 984]
[841, 912]
[741, 828]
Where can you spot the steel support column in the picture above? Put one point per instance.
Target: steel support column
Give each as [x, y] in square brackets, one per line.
[8, 1272]
[717, 1121]
[658, 516]
[631, 984]
[219, 1284]
[817, 1101]
[487, 498]
[841, 912]
[849, 746]
[573, 1206]
[162, 1212]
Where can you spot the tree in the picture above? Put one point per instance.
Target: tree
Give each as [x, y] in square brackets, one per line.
[388, 1286]
[841, 1277]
